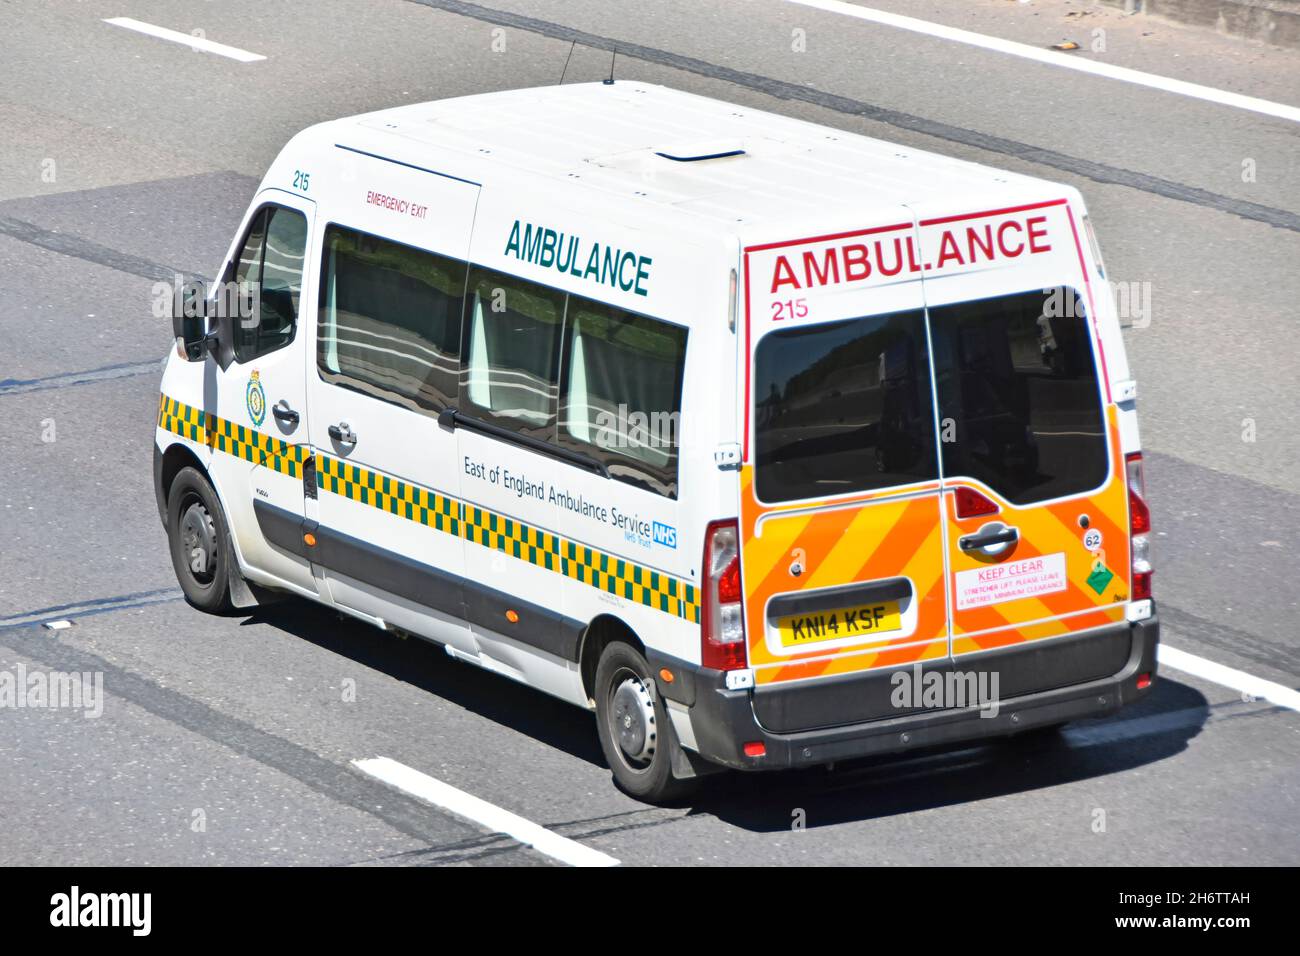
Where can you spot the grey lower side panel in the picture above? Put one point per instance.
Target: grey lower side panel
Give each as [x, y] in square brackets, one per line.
[282, 528]
[424, 584]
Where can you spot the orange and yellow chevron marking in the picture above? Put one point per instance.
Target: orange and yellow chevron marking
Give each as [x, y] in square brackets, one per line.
[1053, 627]
[914, 521]
[863, 540]
[876, 537]
[1044, 530]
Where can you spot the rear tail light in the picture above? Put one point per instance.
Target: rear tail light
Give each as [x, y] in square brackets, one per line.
[722, 631]
[1139, 523]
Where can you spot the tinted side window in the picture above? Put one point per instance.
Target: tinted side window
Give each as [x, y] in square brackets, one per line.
[512, 351]
[843, 407]
[270, 262]
[622, 392]
[389, 319]
[1016, 377]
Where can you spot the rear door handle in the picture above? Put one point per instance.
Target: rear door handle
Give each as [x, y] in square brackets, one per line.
[343, 434]
[989, 537]
[283, 413]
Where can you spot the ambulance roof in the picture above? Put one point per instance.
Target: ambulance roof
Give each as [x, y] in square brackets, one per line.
[639, 143]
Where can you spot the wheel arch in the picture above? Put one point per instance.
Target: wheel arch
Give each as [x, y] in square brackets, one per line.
[168, 463]
[603, 630]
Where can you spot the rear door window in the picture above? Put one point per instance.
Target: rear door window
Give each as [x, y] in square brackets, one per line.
[843, 407]
[1019, 403]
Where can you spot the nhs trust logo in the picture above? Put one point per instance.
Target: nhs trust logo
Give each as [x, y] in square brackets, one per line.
[665, 534]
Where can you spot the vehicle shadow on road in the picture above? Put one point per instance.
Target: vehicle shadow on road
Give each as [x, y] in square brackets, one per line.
[426, 665]
[1155, 729]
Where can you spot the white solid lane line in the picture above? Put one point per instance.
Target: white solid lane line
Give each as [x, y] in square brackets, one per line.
[198, 43]
[481, 812]
[1230, 677]
[1053, 58]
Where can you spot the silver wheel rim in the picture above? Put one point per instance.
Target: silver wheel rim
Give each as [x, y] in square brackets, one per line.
[632, 720]
[198, 536]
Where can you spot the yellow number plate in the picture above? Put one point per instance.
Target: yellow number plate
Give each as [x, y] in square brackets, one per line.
[862, 621]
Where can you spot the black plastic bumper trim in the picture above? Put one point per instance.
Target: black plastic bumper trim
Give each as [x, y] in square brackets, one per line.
[282, 528]
[1021, 669]
[724, 720]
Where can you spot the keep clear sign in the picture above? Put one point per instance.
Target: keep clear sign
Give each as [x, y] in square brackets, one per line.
[1011, 581]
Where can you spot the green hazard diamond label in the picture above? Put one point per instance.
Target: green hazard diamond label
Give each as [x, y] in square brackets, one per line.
[1099, 578]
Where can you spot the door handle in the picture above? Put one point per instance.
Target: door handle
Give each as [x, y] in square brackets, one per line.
[284, 414]
[343, 434]
[988, 537]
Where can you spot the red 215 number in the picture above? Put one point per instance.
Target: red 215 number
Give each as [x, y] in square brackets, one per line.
[790, 309]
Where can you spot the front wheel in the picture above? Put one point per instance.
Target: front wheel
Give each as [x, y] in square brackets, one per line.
[197, 535]
[632, 722]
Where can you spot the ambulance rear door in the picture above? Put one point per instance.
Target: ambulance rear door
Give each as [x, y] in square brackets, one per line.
[1034, 497]
[840, 522]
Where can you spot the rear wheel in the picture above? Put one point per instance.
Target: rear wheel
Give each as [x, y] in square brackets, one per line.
[197, 535]
[632, 722]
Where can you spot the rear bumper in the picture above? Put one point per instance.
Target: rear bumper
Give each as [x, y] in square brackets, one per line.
[719, 722]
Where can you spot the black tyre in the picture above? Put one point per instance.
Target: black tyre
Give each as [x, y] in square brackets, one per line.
[635, 734]
[197, 534]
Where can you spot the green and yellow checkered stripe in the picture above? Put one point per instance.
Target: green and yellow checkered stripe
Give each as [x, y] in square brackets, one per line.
[388, 494]
[511, 537]
[583, 564]
[226, 436]
[255, 446]
[589, 566]
[181, 419]
[631, 581]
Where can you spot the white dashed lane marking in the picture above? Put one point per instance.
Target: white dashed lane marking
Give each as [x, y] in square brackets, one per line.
[1167, 84]
[190, 40]
[485, 814]
[1229, 677]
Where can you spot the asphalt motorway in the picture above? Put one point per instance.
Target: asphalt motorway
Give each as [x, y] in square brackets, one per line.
[229, 740]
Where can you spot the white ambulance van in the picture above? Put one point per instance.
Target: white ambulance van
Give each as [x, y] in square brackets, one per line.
[767, 442]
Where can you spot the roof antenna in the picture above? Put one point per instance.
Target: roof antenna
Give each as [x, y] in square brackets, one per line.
[613, 56]
[566, 61]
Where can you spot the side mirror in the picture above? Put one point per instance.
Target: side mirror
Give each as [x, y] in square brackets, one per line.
[189, 322]
[205, 320]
